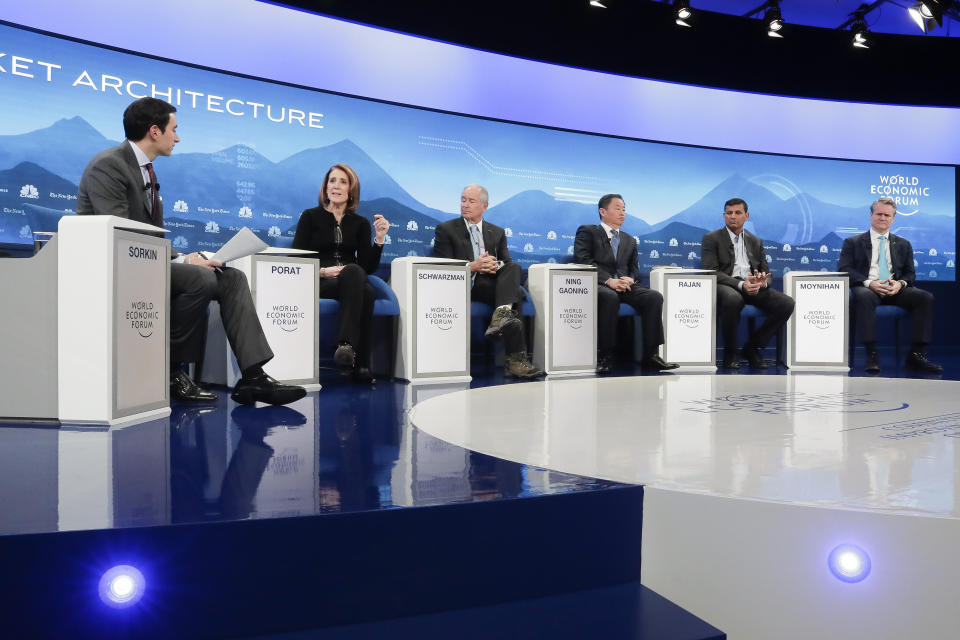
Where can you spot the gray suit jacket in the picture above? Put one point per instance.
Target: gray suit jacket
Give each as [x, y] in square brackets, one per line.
[717, 254]
[452, 240]
[112, 185]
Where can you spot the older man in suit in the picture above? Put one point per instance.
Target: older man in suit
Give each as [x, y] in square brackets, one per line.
[614, 254]
[880, 265]
[121, 182]
[743, 277]
[496, 278]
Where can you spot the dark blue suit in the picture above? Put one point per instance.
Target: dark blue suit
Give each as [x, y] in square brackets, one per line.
[855, 259]
[592, 246]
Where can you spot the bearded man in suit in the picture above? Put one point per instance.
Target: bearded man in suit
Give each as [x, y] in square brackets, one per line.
[743, 277]
[496, 278]
[880, 266]
[614, 254]
[120, 181]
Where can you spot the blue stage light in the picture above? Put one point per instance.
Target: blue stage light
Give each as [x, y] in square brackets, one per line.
[121, 586]
[849, 563]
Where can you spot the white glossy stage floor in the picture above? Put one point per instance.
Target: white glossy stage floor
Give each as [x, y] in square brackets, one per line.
[751, 481]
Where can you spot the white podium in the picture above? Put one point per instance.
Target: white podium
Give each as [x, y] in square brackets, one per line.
[84, 325]
[433, 342]
[818, 331]
[689, 316]
[565, 327]
[285, 291]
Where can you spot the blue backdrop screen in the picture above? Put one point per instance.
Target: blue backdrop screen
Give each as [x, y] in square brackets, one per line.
[253, 153]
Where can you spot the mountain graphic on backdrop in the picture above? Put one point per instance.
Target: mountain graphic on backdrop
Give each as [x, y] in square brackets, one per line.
[237, 186]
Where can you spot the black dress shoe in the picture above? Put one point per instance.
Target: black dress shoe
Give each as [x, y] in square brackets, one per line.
[731, 362]
[604, 365]
[186, 390]
[918, 362]
[753, 357]
[873, 362]
[656, 363]
[345, 357]
[263, 388]
[362, 375]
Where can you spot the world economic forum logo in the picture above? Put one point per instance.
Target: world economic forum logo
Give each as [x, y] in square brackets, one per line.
[180, 206]
[212, 227]
[245, 212]
[907, 191]
[274, 232]
[29, 191]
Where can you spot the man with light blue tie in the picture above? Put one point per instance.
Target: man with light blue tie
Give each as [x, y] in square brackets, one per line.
[880, 266]
[495, 278]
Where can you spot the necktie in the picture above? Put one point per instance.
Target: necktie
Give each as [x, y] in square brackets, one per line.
[615, 241]
[475, 238]
[883, 269]
[153, 199]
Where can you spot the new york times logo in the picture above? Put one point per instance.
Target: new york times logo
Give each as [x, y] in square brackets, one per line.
[690, 317]
[442, 318]
[142, 315]
[287, 317]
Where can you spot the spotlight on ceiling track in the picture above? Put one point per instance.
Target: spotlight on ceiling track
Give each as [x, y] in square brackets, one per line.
[929, 12]
[597, 3]
[682, 12]
[773, 20]
[861, 39]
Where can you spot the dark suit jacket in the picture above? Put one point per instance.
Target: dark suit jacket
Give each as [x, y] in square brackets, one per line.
[592, 246]
[112, 185]
[717, 254]
[451, 239]
[857, 251]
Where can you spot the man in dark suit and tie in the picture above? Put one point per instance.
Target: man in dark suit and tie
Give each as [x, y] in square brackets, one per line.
[496, 278]
[743, 277]
[121, 182]
[880, 265]
[614, 254]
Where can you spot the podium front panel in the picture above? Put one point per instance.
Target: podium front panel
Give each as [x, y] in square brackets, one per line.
[285, 291]
[818, 331]
[573, 328]
[441, 301]
[141, 327]
[689, 312]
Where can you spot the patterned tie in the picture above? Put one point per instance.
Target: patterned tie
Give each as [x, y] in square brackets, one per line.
[153, 199]
[475, 238]
[883, 269]
[615, 241]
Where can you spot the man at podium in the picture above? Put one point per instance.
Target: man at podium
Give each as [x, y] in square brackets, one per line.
[880, 265]
[121, 182]
[614, 254]
[743, 277]
[496, 278]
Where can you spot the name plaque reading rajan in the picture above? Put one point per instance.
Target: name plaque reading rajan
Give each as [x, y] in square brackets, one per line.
[442, 317]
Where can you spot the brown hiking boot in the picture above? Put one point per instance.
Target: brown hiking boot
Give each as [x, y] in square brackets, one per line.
[518, 365]
[503, 318]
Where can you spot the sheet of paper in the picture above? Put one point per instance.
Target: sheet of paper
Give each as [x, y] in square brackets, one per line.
[243, 243]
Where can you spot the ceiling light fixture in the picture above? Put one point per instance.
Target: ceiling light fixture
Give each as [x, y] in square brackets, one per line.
[682, 12]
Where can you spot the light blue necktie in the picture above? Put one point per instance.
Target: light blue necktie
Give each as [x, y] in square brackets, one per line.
[475, 238]
[615, 241]
[883, 269]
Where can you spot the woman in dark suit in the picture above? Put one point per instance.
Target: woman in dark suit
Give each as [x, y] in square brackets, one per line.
[342, 241]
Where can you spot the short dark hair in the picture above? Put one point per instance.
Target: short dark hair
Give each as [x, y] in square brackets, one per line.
[735, 201]
[143, 114]
[605, 200]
